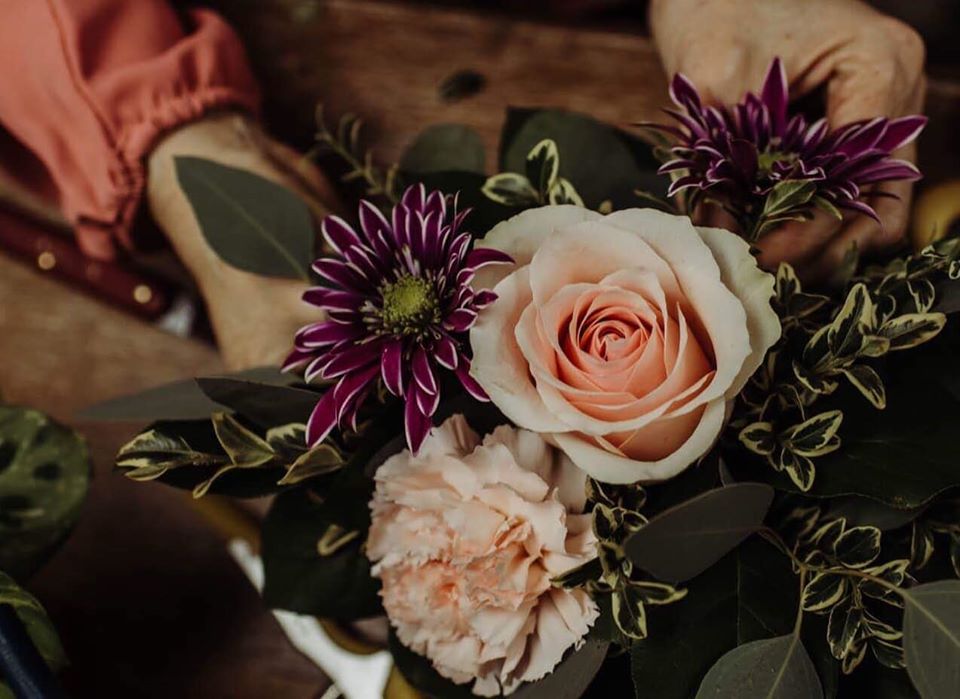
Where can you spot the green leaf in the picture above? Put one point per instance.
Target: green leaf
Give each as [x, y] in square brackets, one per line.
[266, 404]
[445, 148]
[297, 577]
[912, 329]
[866, 380]
[685, 540]
[845, 335]
[511, 189]
[774, 668]
[601, 162]
[37, 623]
[245, 449]
[563, 192]
[629, 613]
[931, 638]
[858, 547]
[543, 166]
[823, 591]
[759, 438]
[814, 436]
[185, 454]
[44, 476]
[252, 223]
[799, 469]
[179, 400]
[787, 196]
[859, 511]
[748, 595]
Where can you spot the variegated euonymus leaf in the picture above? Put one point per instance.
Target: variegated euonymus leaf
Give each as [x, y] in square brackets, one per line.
[787, 201]
[773, 668]
[931, 638]
[252, 223]
[541, 184]
[290, 443]
[44, 476]
[685, 540]
[858, 607]
[37, 624]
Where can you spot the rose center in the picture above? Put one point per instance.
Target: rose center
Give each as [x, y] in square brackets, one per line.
[410, 305]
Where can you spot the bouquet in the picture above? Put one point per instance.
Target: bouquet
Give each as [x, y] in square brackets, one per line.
[567, 441]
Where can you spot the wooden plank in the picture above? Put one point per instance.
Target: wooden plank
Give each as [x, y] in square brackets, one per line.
[386, 61]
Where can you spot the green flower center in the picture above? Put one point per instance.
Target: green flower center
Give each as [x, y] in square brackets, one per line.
[410, 306]
[767, 159]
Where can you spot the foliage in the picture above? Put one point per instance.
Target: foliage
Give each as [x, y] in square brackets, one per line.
[37, 624]
[44, 476]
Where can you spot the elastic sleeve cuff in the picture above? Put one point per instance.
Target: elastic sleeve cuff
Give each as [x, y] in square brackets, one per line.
[205, 71]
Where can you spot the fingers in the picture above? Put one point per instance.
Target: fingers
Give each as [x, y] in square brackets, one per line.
[866, 235]
[797, 243]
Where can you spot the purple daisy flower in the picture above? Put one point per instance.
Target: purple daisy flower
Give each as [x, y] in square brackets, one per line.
[739, 154]
[398, 301]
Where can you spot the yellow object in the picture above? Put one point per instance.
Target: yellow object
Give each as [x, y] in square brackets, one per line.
[398, 687]
[936, 209]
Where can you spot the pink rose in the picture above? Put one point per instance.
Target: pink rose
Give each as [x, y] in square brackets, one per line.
[622, 337]
[466, 537]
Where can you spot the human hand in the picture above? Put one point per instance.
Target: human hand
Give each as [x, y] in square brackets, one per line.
[254, 318]
[870, 64]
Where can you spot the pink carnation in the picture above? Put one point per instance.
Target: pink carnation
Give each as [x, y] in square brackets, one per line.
[466, 537]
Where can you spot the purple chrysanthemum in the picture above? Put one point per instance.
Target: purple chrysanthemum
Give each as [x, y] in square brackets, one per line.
[739, 154]
[398, 301]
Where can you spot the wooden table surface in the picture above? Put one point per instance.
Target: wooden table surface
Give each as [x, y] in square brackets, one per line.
[147, 601]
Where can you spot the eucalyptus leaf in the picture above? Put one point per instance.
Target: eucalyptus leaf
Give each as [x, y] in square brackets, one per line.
[688, 538]
[179, 400]
[445, 148]
[773, 668]
[931, 638]
[44, 477]
[750, 594]
[251, 222]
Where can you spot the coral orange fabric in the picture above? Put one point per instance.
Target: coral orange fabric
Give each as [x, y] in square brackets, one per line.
[88, 86]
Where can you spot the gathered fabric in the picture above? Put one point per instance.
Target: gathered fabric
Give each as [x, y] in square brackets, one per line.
[89, 88]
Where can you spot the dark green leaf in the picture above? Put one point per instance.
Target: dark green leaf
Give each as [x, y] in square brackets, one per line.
[823, 591]
[858, 547]
[445, 148]
[687, 539]
[297, 577]
[750, 594]
[420, 674]
[859, 511]
[252, 223]
[774, 668]
[866, 380]
[268, 405]
[570, 679]
[931, 638]
[44, 477]
[180, 400]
